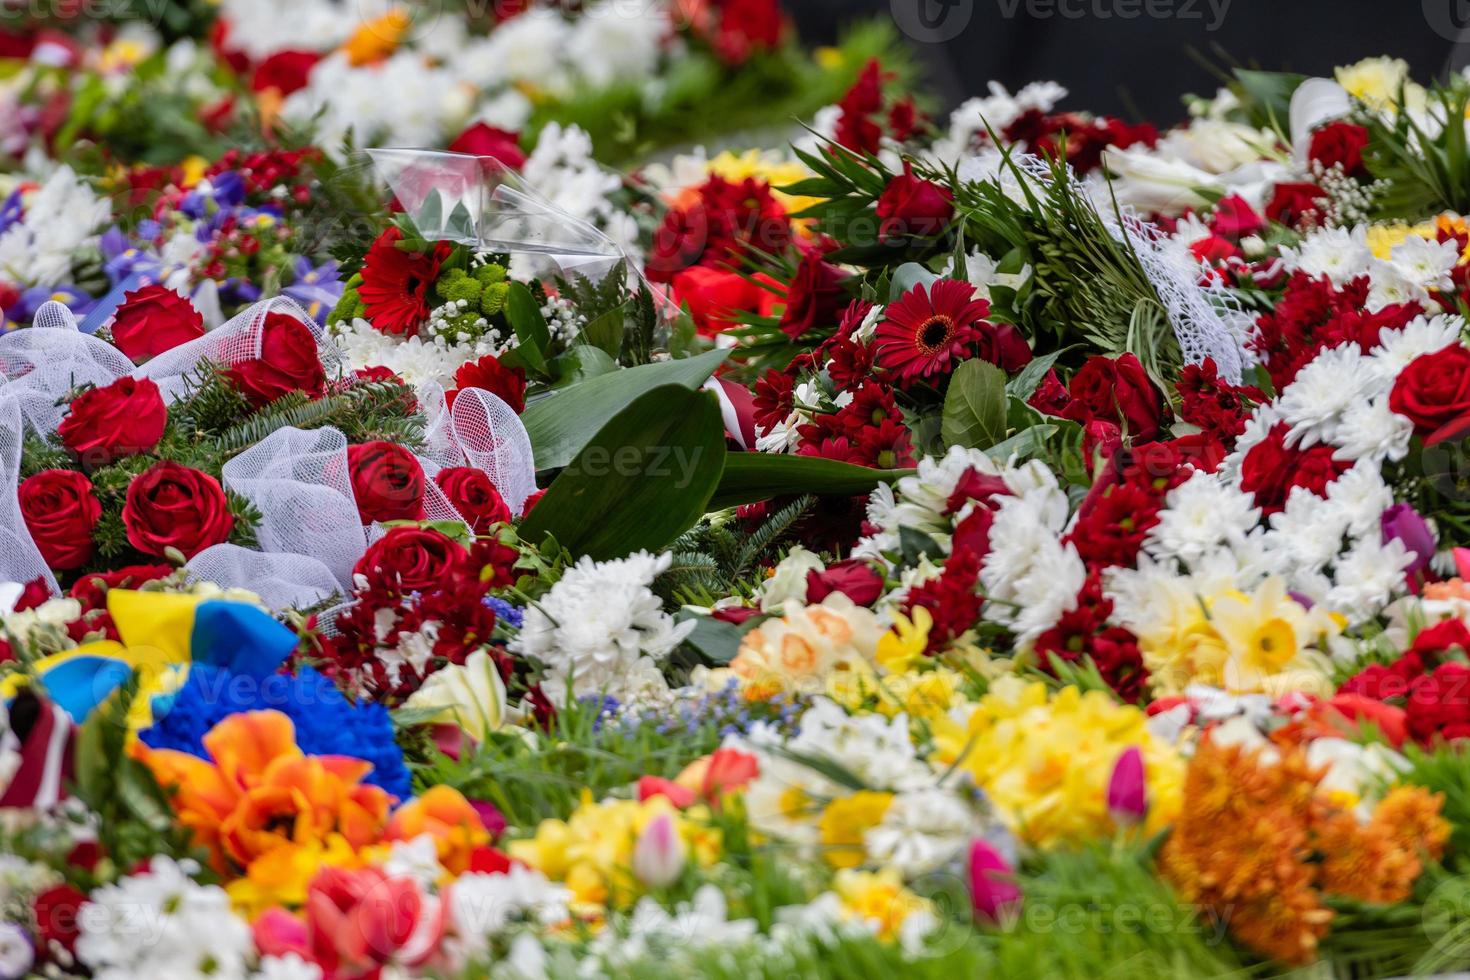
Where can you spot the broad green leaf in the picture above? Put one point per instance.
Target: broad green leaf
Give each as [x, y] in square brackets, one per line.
[750, 477]
[581, 362]
[975, 406]
[1024, 384]
[1023, 444]
[432, 212]
[526, 320]
[716, 640]
[645, 476]
[908, 275]
[606, 331]
[562, 422]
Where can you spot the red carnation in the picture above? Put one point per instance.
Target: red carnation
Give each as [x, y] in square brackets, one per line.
[173, 506]
[57, 911]
[911, 207]
[1433, 392]
[152, 320]
[474, 495]
[1271, 469]
[61, 511]
[125, 418]
[388, 482]
[288, 362]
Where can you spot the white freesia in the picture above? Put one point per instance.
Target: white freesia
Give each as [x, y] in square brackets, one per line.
[471, 695]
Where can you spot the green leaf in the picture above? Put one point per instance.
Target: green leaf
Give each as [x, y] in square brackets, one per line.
[1024, 384]
[908, 275]
[562, 422]
[975, 406]
[717, 641]
[526, 320]
[606, 331]
[750, 477]
[1022, 445]
[1268, 96]
[432, 213]
[915, 544]
[646, 475]
[581, 362]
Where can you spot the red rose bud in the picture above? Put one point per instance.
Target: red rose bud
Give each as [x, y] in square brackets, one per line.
[388, 482]
[473, 494]
[994, 894]
[173, 506]
[484, 140]
[910, 207]
[815, 297]
[854, 578]
[1433, 392]
[125, 418]
[60, 511]
[1127, 802]
[410, 559]
[152, 320]
[1340, 144]
[288, 362]
[1402, 522]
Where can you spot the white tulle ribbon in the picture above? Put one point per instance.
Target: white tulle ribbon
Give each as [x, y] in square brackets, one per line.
[482, 431]
[20, 559]
[1208, 321]
[51, 358]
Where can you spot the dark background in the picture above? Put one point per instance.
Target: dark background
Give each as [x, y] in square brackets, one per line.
[1138, 68]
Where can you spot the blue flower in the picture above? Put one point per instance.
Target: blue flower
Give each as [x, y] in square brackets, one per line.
[512, 615]
[326, 722]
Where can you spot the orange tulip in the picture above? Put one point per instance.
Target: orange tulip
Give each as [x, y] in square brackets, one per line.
[444, 814]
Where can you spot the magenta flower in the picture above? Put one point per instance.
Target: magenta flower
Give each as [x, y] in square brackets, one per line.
[1127, 799]
[993, 889]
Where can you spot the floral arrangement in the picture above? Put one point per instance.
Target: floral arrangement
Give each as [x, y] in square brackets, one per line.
[1022, 542]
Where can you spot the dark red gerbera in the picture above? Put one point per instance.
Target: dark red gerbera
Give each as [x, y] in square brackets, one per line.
[395, 283]
[927, 329]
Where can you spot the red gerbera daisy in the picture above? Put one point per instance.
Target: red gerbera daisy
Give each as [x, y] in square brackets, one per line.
[395, 283]
[925, 330]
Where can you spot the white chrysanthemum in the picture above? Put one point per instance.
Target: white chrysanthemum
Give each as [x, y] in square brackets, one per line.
[601, 630]
[1340, 254]
[59, 220]
[1323, 391]
[617, 42]
[261, 28]
[969, 122]
[1307, 532]
[1422, 335]
[1426, 263]
[922, 832]
[1030, 577]
[1368, 577]
[161, 923]
[1201, 515]
[562, 170]
[1362, 496]
[400, 101]
[412, 358]
[482, 906]
[921, 501]
[1372, 431]
[1391, 287]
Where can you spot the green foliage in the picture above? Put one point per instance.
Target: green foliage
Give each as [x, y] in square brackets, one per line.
[975, 406]
[1446, 769]
[713, 560]
[751, 477]
[1427, 172]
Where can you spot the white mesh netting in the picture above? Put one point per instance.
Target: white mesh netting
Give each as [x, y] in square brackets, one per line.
[237, 340]
[283, 581]
[1207, 320]
[52, 357]
[20, 560]
[485, 432]
[300, 482]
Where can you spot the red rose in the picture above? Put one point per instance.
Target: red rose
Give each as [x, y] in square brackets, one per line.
[747, 27]
[854, 578]
[388, 482]
[152, 320]
[60, 510]
[508, 384]
[815, 296]
[173, 506]
[473, 494]
[532, 501]
[1235, 219]
[125, 418]
[284, 71]
[1433, 392]
[1296, 205]
[911, 207]
[1439, 704]
[1271, 469]
[1340, 143]
[288, 362]
[1214, 250]
[1001, 344]
[483, 140]
[410, 559]
[56, 910]
[1116, 390]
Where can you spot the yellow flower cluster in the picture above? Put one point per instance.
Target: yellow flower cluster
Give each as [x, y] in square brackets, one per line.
[592, 850]
[1264, 641]
[1045, 761]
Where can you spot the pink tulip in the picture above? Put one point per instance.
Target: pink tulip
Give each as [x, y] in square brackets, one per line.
[1127, 800]
[658, 857]
[993, 889]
